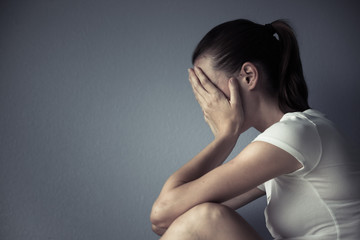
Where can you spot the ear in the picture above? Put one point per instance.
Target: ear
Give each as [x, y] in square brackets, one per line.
[248, 76]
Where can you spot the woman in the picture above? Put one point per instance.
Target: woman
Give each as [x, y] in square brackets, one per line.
[250, 75]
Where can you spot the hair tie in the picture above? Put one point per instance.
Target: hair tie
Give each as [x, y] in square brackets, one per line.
[269, 27]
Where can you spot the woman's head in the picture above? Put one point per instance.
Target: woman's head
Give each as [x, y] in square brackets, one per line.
[232, 44]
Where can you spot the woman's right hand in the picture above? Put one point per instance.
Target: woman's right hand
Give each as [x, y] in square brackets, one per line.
[224, 116]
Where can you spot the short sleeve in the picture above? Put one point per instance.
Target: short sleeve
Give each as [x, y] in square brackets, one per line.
[298, 136]
[262, 187]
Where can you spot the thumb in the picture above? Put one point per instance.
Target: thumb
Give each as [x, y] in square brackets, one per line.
[234, 92]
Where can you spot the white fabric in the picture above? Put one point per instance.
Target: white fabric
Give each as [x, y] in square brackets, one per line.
[322, 199]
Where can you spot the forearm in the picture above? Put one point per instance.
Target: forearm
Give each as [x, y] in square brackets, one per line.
[166, 208]
[209, 158]
[244, 198]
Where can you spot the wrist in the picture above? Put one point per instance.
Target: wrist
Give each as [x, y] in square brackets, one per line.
[227, 136]
[231, 131]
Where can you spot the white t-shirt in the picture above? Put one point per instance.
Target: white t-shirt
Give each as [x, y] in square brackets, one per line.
[321, 200]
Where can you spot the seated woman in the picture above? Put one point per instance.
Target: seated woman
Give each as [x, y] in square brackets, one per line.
[250, 75]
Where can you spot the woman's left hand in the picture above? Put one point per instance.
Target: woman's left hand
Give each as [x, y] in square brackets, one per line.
[224, 116]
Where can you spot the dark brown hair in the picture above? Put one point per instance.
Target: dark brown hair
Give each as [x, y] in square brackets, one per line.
[233, 43]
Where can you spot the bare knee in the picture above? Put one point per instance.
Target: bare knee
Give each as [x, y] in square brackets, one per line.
[209, 213]
[210, 221]
[199, 220]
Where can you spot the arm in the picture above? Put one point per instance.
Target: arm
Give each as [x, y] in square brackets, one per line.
[233, 203]
[256, 164]
[243, 199]
[204, 178]
[226, 134]
[158, 230]
[209, 158]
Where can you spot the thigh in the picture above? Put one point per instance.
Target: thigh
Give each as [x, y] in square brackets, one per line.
[210, 221]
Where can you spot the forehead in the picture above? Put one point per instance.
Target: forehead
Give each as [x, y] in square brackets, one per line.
[206, 64]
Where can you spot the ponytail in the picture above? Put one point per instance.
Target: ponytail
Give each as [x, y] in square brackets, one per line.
[292, 89]
[233, 43]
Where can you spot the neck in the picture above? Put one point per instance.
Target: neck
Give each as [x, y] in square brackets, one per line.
[266, 114]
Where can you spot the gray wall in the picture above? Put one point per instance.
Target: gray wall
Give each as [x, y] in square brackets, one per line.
[97, 111]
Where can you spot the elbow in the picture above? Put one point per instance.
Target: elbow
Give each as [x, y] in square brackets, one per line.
[159, 231]
[164, 209]
[159, 216]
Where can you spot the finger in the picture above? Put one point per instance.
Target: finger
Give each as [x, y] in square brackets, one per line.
[198, 90]
[199, 98]
[234, 92]
[194, 80]
[205, 82]
[195, 83]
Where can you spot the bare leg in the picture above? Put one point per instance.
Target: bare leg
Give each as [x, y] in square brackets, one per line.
[210, 221]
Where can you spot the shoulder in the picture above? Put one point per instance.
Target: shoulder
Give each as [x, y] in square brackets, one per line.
[297, 134]
[295, 128]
